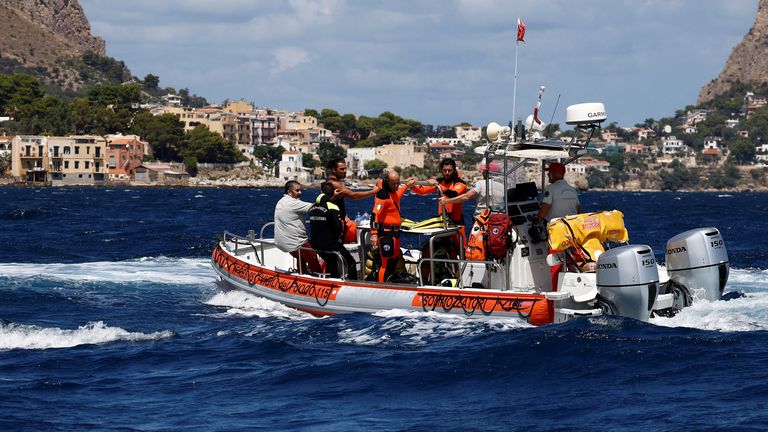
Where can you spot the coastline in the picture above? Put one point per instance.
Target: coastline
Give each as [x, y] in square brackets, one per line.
[278, 184]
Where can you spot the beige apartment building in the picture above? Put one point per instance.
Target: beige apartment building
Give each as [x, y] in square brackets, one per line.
[29, 158]
[77, 160]
[401, 155]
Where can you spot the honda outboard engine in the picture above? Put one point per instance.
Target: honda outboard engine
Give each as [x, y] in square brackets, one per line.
[628, 281]
[697, 259]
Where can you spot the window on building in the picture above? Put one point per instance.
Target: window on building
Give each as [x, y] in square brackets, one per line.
[98, 151]
[77, 149]
[66, 164]
[87, 164]
[87, 149]
[112, 161]
[67, 150]
[77, 163]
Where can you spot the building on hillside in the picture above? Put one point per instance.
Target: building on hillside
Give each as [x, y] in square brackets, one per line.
[468, 134]
[761, 153]
[29, 158]
[445, 141]
[713, 143]
[644, 133]
[401, 155]
[238, 107]
[356, 159]
[291, 168]
[238, 129]
[77, 160]
[172, 99]
[297, 121]
[5, 145]
[671, 145]
[124, 155]
[692, 118]
[264, 129]
[607, 135]
[639, 149]
[731, 123]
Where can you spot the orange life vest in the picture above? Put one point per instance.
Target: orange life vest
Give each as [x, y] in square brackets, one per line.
[475, 249]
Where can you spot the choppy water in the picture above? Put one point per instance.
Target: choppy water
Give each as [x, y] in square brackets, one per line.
[111, 320]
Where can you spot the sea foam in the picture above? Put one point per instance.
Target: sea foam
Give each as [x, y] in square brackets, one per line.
[20, 336]
[158, 270]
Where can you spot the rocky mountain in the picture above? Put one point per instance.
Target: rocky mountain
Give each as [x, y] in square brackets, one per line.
[748, 62]
[52, 40]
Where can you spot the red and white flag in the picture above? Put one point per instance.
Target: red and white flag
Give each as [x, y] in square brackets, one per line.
[520, 30]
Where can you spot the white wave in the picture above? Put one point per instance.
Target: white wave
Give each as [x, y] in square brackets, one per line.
[244, 304]
[755, 278]
[19, 336]
[160, 270]
[419, 328]
[746, 313]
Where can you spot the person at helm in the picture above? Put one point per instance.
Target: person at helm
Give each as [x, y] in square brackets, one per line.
[385, 226]
[560, 199]
[491, 191]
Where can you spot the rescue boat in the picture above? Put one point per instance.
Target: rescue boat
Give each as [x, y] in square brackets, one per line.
[575, 266]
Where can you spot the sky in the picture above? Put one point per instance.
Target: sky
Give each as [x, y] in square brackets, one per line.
[440, 62]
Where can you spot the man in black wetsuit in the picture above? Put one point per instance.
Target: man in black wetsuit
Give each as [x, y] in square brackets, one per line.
[326, 233]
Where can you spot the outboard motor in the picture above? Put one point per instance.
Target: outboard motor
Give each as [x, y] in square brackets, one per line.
[628, 281]
[698, 261]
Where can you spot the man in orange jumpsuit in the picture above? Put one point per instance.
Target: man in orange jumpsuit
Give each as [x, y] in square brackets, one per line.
[385, 226]
[451, 186]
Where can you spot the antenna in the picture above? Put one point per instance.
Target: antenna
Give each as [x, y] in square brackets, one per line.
[554, 109]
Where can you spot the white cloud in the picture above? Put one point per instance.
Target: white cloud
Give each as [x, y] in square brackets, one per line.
[287, 58]
[439, 61]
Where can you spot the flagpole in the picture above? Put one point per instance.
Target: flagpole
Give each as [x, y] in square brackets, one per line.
[514, 91]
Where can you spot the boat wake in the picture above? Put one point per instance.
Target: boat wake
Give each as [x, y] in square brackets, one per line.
[20, 336]
[240, 303]
[158, 270]
[420, 328]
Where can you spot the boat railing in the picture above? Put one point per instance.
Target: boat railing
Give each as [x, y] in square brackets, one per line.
[257, 246]
[432, 239]
[462, 263]
[340, 262]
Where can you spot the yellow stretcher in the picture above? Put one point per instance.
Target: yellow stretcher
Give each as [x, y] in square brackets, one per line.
[587, 231]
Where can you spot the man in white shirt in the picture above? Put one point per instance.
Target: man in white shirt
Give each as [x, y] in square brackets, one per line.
[560, 199]
[290, 230]
[480, 191]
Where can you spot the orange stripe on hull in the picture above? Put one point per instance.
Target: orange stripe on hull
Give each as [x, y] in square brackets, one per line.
[319, 289]
[534, 308]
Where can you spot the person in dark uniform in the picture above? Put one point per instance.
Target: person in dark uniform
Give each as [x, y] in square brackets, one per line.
[326, 233]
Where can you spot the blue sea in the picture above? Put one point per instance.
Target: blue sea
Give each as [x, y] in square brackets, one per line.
[111, 319]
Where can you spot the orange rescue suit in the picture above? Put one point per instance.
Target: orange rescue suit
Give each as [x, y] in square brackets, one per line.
[386, 220]
[449, 188]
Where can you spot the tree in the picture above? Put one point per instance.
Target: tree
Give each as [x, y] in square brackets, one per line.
[328, 151]
[308, 161]
[151, 83]
[164, 133]
[190, 164]
[268, 155]
[5, 163]
[18, 91]
[742, 152]
[375, 165]
[209, 147]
